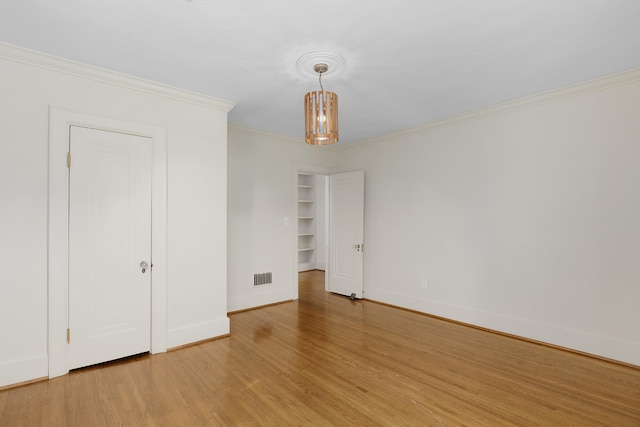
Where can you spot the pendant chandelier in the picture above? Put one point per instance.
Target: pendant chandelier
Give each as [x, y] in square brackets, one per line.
[321, 113]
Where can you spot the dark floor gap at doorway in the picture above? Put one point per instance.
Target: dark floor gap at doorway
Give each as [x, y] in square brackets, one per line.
[122, 360]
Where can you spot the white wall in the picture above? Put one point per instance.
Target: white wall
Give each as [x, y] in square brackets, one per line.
[261, 194]
[524, 218]
[196, 230]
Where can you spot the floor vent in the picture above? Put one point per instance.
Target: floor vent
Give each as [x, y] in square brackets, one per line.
[261, 279]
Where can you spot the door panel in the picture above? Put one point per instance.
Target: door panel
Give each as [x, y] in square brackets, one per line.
[346, 230]
[109, 236]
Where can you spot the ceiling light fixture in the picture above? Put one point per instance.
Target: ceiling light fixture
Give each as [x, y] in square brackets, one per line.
[321, 113]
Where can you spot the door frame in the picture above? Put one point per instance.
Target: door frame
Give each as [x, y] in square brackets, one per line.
[313, 170]
[60, 121]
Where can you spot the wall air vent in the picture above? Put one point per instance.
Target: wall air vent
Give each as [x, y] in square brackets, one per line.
[261, 279]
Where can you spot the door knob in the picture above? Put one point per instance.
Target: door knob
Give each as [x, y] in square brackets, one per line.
[144, 266]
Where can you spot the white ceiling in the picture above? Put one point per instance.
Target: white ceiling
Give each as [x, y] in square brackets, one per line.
[408, 62]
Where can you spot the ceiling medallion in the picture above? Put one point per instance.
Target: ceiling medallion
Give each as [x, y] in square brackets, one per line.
[305, 64]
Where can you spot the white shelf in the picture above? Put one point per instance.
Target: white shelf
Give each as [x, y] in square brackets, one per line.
[306, 224]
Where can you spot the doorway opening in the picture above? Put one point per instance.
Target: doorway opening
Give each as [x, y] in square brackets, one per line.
[312, 226]
[341, 233]
[312, 222]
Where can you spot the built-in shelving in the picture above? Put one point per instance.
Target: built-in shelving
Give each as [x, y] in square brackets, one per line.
[306, 222]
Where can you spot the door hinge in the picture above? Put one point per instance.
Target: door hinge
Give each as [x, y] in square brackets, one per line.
[68, 159]
[68, 336]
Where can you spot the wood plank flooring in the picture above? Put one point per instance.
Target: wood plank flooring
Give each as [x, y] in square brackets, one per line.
[326, 360]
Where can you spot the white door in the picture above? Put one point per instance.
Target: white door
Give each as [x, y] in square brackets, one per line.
[109, 242]
[346, 230]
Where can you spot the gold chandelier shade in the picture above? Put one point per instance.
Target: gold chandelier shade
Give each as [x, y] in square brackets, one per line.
[321, 113]
[321, 117]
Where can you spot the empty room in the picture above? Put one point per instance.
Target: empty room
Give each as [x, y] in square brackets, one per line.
[302, 213]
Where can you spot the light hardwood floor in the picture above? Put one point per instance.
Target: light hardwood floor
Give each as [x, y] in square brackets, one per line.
[326, 360]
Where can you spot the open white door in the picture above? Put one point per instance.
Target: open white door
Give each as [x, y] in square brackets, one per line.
[109, 246]
[346, 231]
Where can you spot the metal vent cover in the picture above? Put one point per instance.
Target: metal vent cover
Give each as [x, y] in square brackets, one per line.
[262, 279]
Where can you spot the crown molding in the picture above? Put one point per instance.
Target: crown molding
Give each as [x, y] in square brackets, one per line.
[66, 66]
[602, 83]
[299, 141]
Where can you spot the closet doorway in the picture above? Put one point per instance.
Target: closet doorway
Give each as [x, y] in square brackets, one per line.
[328, 229]
[312, 222]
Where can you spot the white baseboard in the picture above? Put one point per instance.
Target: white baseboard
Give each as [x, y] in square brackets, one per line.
[263, 296]
[197, 332]
[306, 266]
[583, 341]
[21, 370]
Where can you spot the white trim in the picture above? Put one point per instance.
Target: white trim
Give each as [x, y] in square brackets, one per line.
[21, 370]
[62, 65]
[259, 298]
[59, 122]
[197, 332]
[619, 79]
[599, 345]
[306, 266]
